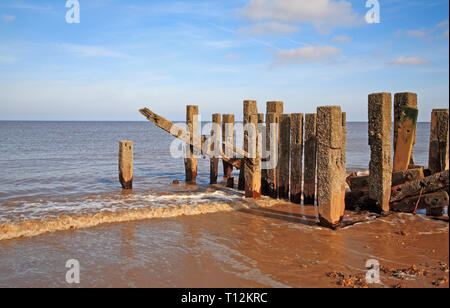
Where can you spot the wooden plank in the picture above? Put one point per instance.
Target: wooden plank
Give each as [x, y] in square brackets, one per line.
[439, 141]
[227, 136]
[296, 157]
[406, 134]
[284, 153]
[435, 182]
[126, 164]
[250, 108]
[309, 186]
[191, 161]
[183, 135]
[252, 168]
[380, 129]
[270, 175]
[430, 201]
[401, 100]
[216, 142]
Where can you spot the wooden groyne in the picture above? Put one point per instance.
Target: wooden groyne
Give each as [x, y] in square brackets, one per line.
[302, 158]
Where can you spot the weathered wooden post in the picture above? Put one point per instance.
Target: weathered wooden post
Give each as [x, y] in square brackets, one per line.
[309, 187]
[438, 159]
[252, 166]
[228, 136]
[402, 100]
[274, 107]
[190, 161]
[215, 138]
[331, 167]
[284, 153]
[380, 130]
[405, 121]
[269, 173]
[250, 108]
[296, 157]
[126, 164]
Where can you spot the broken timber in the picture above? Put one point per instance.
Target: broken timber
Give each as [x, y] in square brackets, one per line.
[183, 135]
[405, 136]
[431, 201]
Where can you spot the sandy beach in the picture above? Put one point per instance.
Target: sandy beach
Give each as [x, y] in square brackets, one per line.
[279, 246]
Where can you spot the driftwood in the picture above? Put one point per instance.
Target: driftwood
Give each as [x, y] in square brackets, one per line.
[427, 201]
[436, 182]
[361, 183]
[183, 135]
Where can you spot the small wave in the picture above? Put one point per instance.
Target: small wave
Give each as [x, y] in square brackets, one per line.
[29, 228]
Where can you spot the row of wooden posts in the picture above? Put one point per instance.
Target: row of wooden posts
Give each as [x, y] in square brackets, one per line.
[320, 138]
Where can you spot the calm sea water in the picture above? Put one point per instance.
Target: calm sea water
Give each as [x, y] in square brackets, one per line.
[52, 169]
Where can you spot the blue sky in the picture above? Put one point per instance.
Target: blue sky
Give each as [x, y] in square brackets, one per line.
[126, 54]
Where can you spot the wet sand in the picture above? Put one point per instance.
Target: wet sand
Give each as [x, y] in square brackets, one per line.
[280, 246]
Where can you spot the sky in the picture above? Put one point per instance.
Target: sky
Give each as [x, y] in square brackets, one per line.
[127, 54]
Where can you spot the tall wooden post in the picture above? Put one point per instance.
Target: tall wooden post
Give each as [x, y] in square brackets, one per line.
[309, 187]
[269, 173]
[284, 153]
[402, 100]
[380, 130]
[438, 159]
[215, 138]
[228, 136]
[296, 157]
[250, 108]
[126, 164]
[190, 161]
[331, 166]
[252, 166]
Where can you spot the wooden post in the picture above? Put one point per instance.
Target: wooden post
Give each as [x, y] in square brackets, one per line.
[215, 138]
[405, 128]
[228, 136]
[380, 129]
[250, 108]
[438, 160]
[190, 161]
[274, 107]
[252, 166]
[126, 164]
[284, 153]
[331, 167]
[269, 175]
[402, 100]
[296, 157]
[309, 187]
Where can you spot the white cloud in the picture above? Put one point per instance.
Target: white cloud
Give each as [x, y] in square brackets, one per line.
[442, 24]
[323, 14]
[343, 39]
[7, 18]
[308, 54]
[85, 51]
[412, 61]
[269, 28]
[417, 33]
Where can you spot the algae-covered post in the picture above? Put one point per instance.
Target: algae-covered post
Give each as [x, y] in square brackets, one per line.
[296, 157]
[405, 121]
[227, 136]
[269, 174]
[126, 164]
[331, 167]
[250, 108]
[309, 187]
[380, 130]
[402, 100]
[438, 160]
[215, 142]
[190, 161]
[252, 165]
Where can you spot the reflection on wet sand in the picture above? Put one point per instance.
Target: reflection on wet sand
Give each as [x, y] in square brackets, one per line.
[281, 246]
